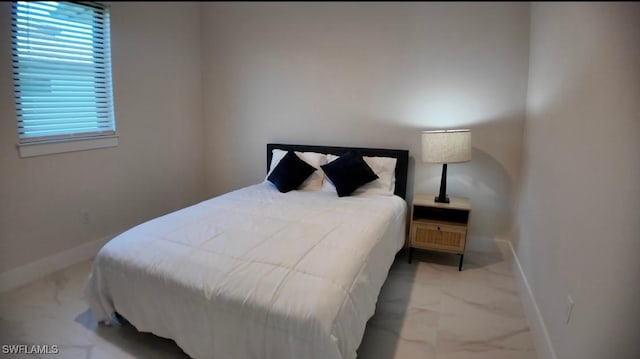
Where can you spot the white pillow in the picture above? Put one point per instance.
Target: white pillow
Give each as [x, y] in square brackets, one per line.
[384, 167]
[314, 182]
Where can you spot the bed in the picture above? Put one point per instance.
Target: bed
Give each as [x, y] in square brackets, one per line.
[255, 273]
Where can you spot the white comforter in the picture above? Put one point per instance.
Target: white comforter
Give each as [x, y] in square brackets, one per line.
[254, 273]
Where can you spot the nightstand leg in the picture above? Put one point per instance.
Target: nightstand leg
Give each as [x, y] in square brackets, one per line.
[460, 265]
[410, 253]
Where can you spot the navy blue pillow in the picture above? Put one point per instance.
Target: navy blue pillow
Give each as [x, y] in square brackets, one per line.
[348, 173]
[290, 172]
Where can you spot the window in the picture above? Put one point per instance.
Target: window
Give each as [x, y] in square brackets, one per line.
[62, 76]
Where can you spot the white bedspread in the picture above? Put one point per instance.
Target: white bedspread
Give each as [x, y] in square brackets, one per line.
[254, 273]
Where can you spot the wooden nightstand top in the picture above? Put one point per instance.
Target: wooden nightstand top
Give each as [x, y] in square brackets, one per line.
[427, 199]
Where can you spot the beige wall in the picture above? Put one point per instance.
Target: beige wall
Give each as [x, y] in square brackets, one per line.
[580, 200]
[369, 74]
[158, 166]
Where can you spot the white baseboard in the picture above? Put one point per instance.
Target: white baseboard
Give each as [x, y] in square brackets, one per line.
[543, 344]
[40, 268]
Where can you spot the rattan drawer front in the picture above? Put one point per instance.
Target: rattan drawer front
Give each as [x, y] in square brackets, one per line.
[435, 236]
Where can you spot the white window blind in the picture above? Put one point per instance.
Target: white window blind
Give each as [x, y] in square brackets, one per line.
[62, 70]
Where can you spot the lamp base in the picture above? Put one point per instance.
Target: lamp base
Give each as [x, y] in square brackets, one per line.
[438, 199]
[442, 196]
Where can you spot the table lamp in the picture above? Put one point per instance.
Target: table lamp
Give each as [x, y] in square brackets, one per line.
[446, 146]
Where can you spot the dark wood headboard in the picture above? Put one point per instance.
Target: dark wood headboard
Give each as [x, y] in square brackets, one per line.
[402, 157]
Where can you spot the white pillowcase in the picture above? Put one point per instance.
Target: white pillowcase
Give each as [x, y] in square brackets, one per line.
[314, 182]
[384, 167]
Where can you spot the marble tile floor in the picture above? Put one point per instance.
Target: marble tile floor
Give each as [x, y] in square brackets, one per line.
[426, 309]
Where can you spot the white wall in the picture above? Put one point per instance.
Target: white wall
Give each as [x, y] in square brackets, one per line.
[159, 164]
[580, 199]
[374, 75]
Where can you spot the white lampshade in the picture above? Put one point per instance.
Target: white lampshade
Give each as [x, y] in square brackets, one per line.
[446, 146]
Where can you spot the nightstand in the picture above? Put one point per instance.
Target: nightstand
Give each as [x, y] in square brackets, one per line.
[439, 226]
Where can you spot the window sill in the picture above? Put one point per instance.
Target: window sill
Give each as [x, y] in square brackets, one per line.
[52, 147]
